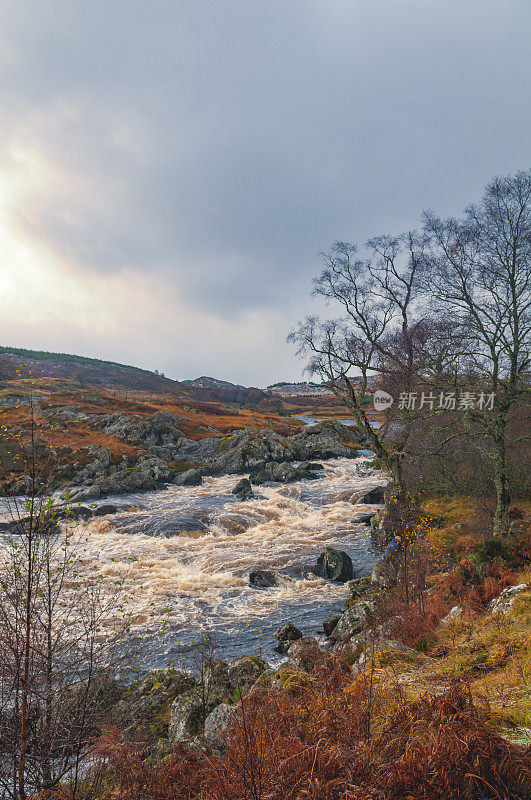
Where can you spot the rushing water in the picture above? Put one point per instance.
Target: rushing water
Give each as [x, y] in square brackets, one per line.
[187, 553]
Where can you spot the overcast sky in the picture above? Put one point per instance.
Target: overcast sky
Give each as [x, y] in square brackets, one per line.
[169, 171]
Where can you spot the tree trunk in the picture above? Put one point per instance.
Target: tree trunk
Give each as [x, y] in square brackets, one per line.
[501, 481]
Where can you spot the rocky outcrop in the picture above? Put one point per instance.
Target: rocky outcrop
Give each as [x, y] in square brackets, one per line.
[251, 450]
[244, 672]
[216, 724]
[247, 451]
[334, 565]
[505, 601]
[283, 472]
[160, 451]
[327, 439]
[329, 624]
[148, 472]
[160, 430]
[352, 621]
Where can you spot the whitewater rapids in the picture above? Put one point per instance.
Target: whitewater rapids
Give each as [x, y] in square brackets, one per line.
[185, 554]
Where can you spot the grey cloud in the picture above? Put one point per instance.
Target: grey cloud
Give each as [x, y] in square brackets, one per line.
[223, 144]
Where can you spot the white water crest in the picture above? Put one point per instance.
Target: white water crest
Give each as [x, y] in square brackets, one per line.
[186, 553]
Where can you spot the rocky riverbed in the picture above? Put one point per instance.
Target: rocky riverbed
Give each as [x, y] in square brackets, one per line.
[163, 455]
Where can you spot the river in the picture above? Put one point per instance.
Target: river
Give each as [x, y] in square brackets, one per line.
[187, 552]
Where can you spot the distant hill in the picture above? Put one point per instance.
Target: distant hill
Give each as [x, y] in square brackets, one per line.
[204, 382]
[16, 362]
[85, 371]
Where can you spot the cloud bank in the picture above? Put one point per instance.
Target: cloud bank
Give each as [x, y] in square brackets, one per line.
[169, 171]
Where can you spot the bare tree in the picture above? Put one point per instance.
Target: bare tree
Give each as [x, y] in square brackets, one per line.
[480, 278]
[380, 332]
[57, 632]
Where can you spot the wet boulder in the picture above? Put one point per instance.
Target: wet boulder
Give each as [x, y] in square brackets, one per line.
[334, 565]
[262, 579]
[190, 477]
[286, 634]
[243, 489]
[374, 496]
[247, 451]
[362, 519]
[310, 466]
[106, 510]
[73, 513]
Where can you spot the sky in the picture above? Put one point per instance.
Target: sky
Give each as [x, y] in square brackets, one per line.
[170, 170]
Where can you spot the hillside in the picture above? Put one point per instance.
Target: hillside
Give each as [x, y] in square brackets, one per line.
[16, 362]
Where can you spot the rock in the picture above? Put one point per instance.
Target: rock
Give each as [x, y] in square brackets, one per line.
[191, 477]
[379, 576]
[304, 654]
[328, 439]
[146, 701]
[310, 466]
[105, 510]
[189, 712]
[73, 512]
[248, 451]
[361, 587]
[261, 579]
[148, 472]
[216, 725]
[505, 601]
[373, 496]
[334, 565]
[286, 634]
[352, 621]
[159, 430]
[243, 489]
[244, 672]
[20, 527]
[350, 651]
[364, 519]
[329, 624]
[281, 473]
[215, 676]
[455, 613]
